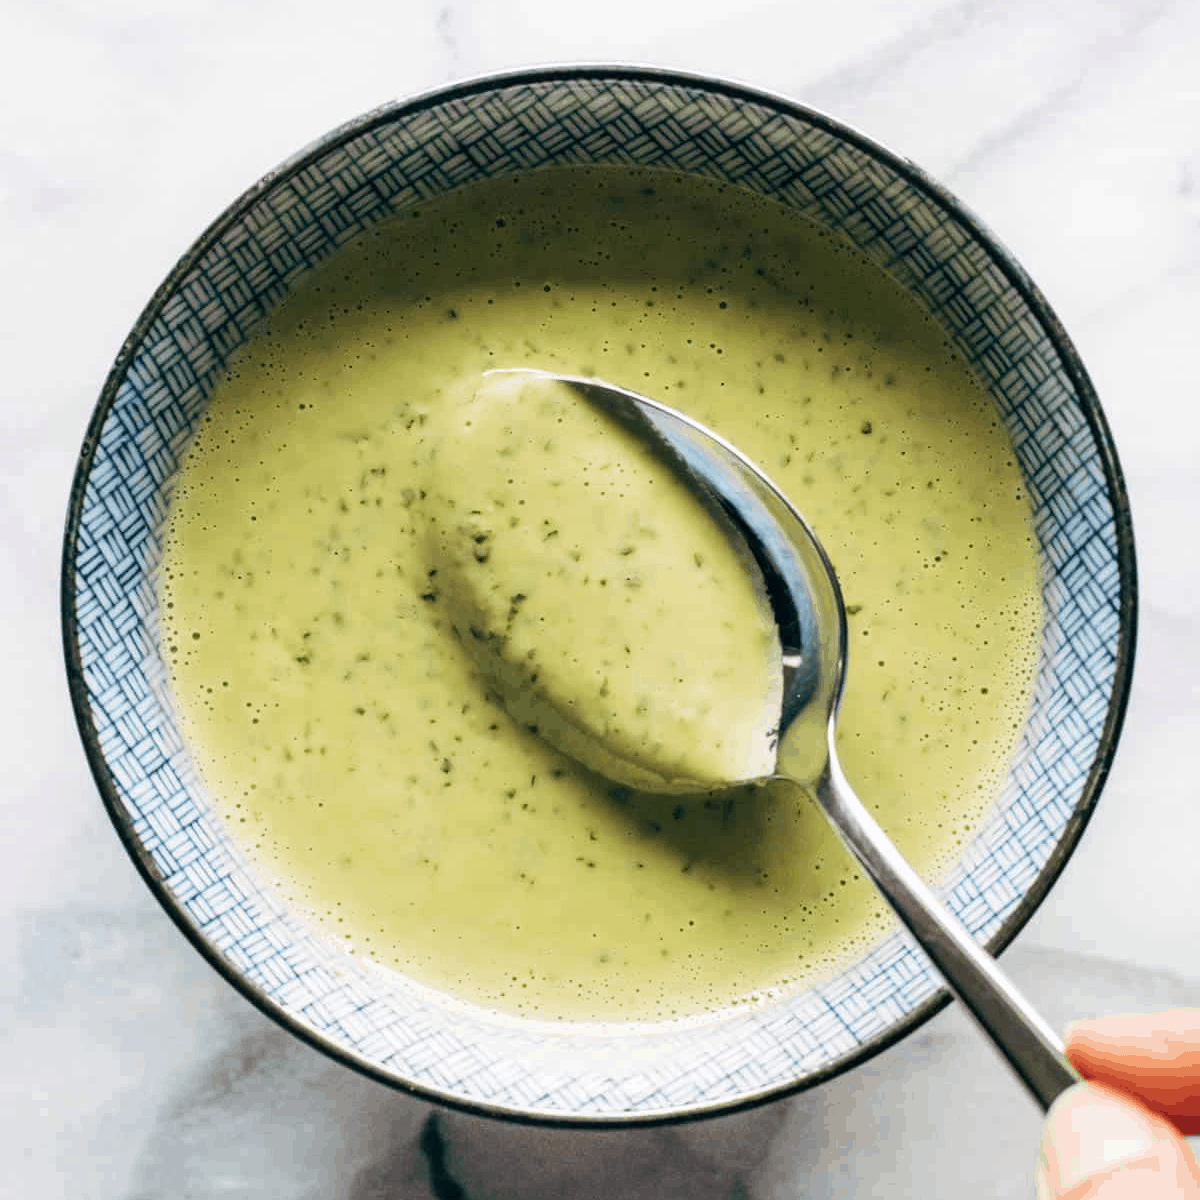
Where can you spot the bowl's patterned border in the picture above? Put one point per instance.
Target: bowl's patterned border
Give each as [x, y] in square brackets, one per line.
[397, 157]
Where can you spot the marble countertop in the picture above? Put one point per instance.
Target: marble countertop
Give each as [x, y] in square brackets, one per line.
[131, 1071]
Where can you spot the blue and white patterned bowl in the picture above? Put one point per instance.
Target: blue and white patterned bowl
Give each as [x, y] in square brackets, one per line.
[396, 157]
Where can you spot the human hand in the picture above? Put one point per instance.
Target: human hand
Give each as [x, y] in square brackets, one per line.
[1119, 1134]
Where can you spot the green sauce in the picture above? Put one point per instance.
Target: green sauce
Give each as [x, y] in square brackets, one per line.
[359, 752]
[610, 607]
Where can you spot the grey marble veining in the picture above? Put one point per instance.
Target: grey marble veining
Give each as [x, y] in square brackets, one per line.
[131, 1071]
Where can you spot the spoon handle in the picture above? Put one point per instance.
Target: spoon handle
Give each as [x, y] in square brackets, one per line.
[1031, 1047]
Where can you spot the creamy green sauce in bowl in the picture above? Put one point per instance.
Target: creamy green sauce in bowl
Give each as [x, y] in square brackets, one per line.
[361, 756]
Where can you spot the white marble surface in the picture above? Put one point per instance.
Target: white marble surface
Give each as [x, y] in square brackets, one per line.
[130, 1071]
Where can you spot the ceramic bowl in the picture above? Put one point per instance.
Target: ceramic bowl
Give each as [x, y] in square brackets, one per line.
[394, 158]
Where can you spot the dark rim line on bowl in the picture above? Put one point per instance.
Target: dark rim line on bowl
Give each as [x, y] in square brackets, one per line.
[1004, 261]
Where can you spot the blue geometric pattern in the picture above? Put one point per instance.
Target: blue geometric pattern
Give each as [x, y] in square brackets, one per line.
[392, 160]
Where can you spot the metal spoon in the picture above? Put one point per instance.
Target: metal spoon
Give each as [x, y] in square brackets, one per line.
[808, 606]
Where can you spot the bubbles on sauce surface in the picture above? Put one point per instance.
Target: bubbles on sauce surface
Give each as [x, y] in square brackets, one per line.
[357, 757]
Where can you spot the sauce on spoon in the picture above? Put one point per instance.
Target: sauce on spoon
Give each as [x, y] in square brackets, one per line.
[617, 615]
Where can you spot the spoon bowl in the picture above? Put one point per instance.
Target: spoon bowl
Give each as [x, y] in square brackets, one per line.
[807, 602]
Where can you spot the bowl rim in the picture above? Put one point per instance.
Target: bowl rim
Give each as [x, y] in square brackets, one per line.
[1002, 258]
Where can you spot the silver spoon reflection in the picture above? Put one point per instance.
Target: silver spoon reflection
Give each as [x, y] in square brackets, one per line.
[808, 608]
